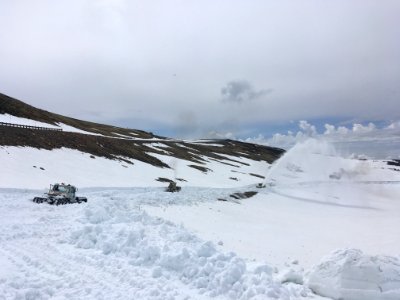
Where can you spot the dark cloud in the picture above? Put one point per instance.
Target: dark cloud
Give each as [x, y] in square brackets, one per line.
[241, 91]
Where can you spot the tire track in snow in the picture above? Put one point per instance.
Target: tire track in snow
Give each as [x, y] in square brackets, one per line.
[55, 273]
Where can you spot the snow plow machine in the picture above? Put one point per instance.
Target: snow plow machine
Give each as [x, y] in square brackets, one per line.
[60, 194]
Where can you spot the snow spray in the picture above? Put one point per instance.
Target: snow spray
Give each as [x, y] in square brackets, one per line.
[315, 165]
[174, 166]
[308, 154]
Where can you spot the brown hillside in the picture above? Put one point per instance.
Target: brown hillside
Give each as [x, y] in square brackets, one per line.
[113, 146]
[18, 108]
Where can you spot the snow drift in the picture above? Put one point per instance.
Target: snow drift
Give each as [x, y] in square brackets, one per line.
[351, 275]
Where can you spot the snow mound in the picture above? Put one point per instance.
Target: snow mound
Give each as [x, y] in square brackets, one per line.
[351, 275]
[170, 253]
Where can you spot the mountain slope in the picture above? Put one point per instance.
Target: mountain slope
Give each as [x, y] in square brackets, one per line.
[216, 158]
[14, 107]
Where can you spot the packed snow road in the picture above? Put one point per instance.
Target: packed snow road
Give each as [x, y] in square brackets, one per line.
[110, 248]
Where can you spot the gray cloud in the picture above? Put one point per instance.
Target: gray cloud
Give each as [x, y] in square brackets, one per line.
[241, 91]
[114, 60]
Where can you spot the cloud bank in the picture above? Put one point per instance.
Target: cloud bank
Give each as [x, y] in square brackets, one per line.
[359, 139]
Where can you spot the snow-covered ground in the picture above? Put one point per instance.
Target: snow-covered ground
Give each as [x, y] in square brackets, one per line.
[144, 243]
[29, 122]
[111, 248]
[314, 202]
[25, 167]
[6, 118]
[301, 223]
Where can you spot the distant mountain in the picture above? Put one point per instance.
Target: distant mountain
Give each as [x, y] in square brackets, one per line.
[224, 158]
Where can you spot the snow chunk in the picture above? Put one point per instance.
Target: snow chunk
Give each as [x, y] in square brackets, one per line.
[206, 250]
[290, 275]
[351, 275]
[97, 215]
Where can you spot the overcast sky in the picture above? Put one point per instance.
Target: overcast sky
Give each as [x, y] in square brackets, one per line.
[188, 68]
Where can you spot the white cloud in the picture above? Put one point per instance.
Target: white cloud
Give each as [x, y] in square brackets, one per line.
[222, 135]
[329, 129]
[359, 128]
[363, 139]
[307, 128]
[394, 125]
[342, 130]
[332, 130]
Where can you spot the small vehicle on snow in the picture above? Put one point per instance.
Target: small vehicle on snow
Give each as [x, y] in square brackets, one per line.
[60, 193]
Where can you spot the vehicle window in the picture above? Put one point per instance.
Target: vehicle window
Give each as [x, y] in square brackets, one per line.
[62, 189]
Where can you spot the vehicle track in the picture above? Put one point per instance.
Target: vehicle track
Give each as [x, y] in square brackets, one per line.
[55, 269]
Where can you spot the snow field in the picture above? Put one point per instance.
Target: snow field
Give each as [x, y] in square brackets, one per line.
[297, 222]
[25, 167]
[28, 122]
[112, 249]
[126, 244]
[6, 118]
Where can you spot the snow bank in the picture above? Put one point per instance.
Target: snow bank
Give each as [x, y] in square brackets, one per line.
[351, 275]
[170, 252]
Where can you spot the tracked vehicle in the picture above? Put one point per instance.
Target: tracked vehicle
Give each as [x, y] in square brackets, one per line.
[60, 193]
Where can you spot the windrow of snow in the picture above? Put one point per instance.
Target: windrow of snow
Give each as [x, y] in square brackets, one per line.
[170, 253]
[351, 275]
